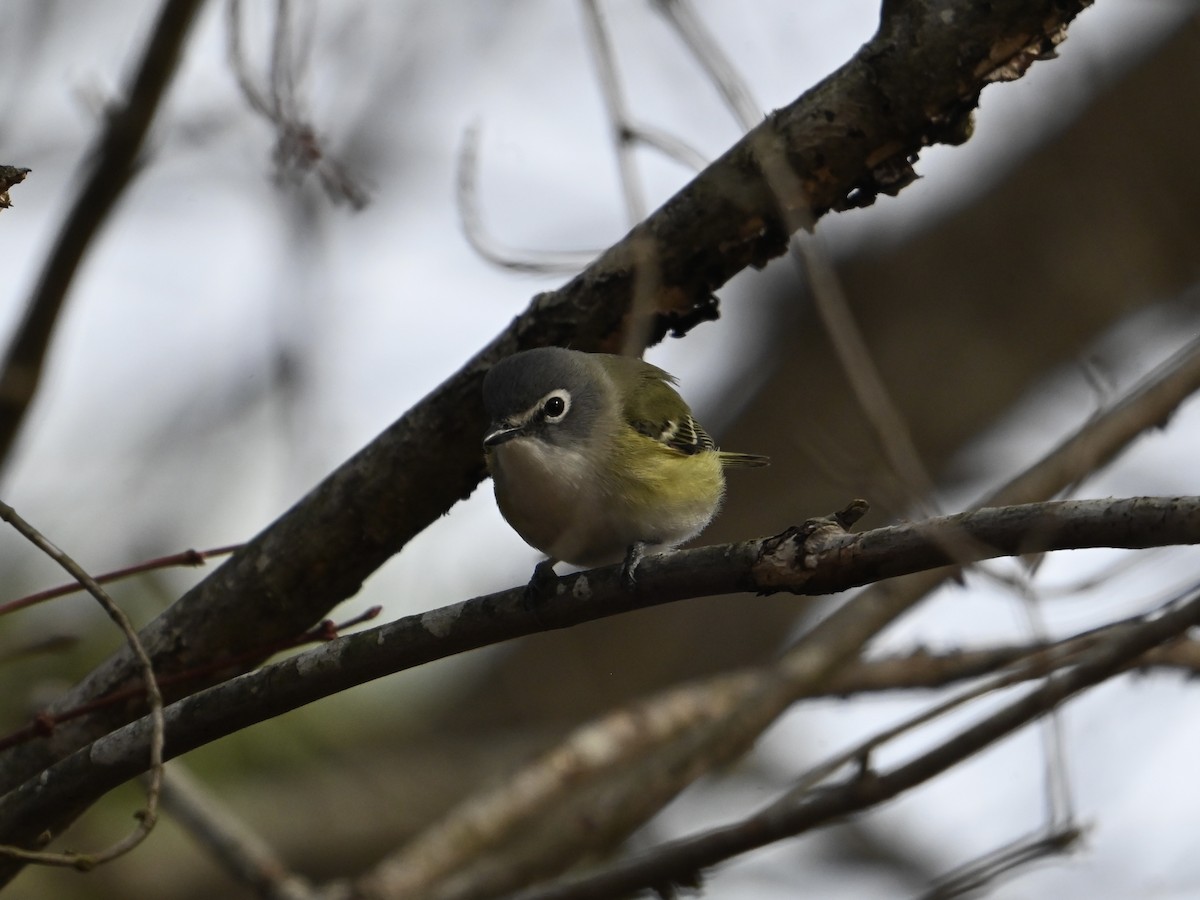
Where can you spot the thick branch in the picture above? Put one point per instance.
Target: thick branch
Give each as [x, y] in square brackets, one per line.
[816, 559]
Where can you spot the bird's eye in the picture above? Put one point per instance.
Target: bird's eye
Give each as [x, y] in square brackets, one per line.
[555, 406]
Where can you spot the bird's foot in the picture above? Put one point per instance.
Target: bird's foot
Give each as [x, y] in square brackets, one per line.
[543, 585]
[633, 556]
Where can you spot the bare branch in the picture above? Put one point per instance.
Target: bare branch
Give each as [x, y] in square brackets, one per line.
[890, 430]
[242, 852]
[148, 815]
[707, 51]
[818, 559]
[967, 880]
[680, 862]
[467, 198]
[299, 149]
[618, 114]
[110, 166]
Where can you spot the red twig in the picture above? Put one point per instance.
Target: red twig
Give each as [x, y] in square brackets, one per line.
[185, 558]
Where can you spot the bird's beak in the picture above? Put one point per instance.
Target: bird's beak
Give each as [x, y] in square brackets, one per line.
[500, 433]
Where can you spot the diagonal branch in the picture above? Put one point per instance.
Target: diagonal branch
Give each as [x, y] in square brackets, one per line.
[110, 166]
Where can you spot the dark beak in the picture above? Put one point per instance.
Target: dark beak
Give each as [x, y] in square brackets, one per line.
[499, 433]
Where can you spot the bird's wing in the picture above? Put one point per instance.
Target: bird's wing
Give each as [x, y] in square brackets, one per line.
[658, 412]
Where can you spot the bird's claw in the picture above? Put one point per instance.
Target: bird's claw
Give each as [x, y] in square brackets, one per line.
[542, 586]
[633, 556]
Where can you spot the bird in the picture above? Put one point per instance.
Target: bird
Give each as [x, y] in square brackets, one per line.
[596, 458]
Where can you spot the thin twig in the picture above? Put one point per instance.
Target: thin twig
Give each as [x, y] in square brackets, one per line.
[53, 643]
[1060, 803]
[620, 124]
[467, 199]
[185, 558]
[887, 423]
[299, 149]
[669, 145]
[1050, 658]
[707, 51]
[109, 167]
[966, 880]
[148, 815]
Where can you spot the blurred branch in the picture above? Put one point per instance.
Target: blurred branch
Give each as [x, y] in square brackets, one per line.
[913, 84]
[720, 71]
[967, 880]
[151, 754]
[242, 852]
[887, 424]
[298, 148]
[9, 177]
[621, 127]
[110, 166]
[482, 242]
[626, 135]
[680, 862]
[51, 643]
[569, 804]
[816, 559]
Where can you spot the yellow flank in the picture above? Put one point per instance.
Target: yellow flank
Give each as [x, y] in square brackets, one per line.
[663, 474]
[679, 491]
[573, 509]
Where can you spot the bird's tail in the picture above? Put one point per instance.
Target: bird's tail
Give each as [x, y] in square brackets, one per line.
[743, 460]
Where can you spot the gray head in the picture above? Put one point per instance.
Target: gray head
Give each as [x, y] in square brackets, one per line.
[550, 394]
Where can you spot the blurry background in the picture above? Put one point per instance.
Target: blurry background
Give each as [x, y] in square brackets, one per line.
[228, 342]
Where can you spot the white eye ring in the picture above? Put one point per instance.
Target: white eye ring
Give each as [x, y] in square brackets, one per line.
[555, 405]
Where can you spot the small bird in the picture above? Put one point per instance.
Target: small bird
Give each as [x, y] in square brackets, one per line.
[596, 459]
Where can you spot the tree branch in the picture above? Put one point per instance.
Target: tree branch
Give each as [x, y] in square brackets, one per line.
[111, 165]
[680, 862]
[819, 558]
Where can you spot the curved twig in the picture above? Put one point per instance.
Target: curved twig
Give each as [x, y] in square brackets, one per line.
[148, 815]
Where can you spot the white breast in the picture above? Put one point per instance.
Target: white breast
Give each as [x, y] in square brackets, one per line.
[558, 502]
[548, 494]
